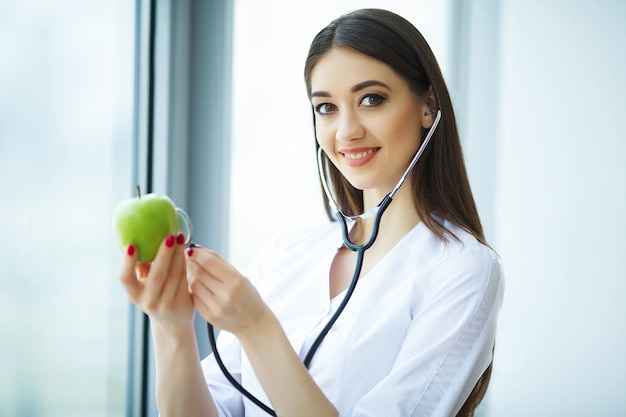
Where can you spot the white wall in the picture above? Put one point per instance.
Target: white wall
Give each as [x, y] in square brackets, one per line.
[559, 202]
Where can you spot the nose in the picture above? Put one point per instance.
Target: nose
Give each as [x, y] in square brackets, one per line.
[349, 127]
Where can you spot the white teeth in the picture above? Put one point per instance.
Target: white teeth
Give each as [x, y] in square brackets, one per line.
[359, 155]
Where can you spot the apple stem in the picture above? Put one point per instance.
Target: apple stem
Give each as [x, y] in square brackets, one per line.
[138, 192]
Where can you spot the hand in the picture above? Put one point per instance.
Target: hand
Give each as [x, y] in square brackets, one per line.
[160, 288]
[223, 296]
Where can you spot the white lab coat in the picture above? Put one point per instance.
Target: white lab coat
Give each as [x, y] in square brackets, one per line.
[414, 339]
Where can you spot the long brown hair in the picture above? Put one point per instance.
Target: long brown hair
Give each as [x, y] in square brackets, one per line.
[439, 180]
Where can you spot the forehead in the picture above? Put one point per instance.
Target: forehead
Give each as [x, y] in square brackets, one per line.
[341, 68]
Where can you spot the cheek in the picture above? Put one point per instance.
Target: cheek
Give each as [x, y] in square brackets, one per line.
[324, 137]
[405, 128]
[326, 141]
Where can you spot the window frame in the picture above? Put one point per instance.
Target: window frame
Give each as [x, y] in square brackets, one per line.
[181, 144]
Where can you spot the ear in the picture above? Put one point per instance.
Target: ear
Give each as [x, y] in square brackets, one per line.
[430, 109]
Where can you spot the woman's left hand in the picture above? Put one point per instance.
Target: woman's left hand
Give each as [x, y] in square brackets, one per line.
[228, 300]
[223, 296]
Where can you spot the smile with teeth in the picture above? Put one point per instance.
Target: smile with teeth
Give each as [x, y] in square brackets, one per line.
[359, 155]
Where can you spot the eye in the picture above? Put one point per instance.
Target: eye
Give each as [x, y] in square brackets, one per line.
[373, 100]
[325, 108]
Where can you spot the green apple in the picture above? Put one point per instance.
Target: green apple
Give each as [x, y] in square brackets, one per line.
[144, 221]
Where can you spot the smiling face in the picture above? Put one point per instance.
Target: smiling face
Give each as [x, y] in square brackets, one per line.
[367, 120]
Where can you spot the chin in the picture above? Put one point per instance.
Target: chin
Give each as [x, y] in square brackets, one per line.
[371, 186]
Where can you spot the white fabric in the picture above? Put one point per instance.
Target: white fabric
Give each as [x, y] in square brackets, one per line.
[414, 339]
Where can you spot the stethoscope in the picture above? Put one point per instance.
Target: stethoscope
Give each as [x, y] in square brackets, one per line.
[359, 249]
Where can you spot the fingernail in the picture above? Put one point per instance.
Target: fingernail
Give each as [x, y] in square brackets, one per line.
[169, 242]
[189, 252]
[180, 239]
[130, 250]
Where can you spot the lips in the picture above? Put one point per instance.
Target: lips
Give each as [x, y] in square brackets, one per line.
[359, 156]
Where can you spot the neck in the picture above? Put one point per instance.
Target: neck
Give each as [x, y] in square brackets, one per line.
[397, 220]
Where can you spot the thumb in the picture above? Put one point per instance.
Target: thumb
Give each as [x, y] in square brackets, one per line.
[142, 269]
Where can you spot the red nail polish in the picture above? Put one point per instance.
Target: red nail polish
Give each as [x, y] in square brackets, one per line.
[189, 252]
[130, 250]
[180, 239]
[169, 242]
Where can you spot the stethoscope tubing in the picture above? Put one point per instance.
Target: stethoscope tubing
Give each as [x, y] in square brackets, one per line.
[360, 252]
[229, 376]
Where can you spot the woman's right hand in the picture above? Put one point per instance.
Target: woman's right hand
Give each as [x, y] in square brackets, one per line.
[160, 288]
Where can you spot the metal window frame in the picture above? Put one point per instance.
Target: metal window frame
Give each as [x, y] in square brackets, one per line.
[183, 68]
[475, 86]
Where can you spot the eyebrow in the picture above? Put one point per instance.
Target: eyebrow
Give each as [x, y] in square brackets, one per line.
[357, 87]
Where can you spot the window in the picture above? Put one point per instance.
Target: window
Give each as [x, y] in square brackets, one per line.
[66, 127]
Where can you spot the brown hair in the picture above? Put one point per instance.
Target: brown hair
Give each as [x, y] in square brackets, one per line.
[439, 180]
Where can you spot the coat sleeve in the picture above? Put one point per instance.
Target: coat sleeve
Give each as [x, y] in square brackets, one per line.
[448, 344]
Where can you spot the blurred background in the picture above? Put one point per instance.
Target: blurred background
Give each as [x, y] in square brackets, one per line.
[205, 100]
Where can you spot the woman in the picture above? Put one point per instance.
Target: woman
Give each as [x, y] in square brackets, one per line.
[417, 336]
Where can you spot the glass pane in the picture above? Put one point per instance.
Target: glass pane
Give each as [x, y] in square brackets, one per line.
[66, 89]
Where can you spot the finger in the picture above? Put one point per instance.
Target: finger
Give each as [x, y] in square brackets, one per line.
[213, 264]
[176, 274]
[159, 268]
[204, 289]
[211, 297]
[203, 299]
[127, 275]
[197, 275]
[221, 278]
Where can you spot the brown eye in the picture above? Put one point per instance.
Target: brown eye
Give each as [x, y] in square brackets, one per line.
[372, 100]
[325, 108]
